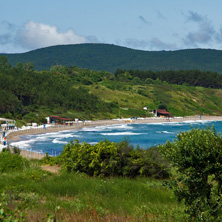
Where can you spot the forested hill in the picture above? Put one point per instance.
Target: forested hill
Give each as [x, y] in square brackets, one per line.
[110, 58]
[28, 95]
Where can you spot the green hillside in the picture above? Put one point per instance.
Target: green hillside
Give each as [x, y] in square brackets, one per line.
[110, 58]
[29, 95]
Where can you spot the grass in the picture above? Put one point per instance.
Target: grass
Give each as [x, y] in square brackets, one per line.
[66, 196]
[180, 100]
[130, 98]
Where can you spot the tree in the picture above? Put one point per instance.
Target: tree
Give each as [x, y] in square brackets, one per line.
[4, 63]
[196, 156]
[136, 80]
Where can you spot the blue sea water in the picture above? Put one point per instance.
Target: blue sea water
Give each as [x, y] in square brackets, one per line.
[144, 135]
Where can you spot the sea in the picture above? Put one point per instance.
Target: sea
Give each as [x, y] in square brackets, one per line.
[143, 135]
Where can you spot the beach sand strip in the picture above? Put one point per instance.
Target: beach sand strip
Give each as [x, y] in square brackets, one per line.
[15, 135]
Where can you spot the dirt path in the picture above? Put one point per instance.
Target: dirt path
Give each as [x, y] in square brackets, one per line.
[51, 169]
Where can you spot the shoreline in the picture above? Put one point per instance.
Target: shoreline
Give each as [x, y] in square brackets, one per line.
[14, 136]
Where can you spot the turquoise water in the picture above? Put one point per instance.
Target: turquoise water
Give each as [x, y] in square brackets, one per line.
[144, 135]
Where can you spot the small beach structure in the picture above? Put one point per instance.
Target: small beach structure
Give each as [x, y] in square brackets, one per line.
[7, 124]
[162, 113]
[59, 120]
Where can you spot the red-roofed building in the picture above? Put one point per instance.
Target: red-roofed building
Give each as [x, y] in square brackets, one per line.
[162, 113]
[58, 119]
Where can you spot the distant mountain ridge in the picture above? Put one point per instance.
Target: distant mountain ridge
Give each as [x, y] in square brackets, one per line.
[111, 57]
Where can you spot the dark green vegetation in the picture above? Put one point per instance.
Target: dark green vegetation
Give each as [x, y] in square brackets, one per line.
[12, 163]
[31, 194]
[28, 95]
[113, 159]
[196, 156]
[111, 57]
[25, 92]
[189, 77]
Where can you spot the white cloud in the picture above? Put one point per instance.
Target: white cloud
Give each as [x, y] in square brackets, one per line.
[204, 34]
[37, 35]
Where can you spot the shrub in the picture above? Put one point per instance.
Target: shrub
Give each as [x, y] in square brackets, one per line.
[197, 157]
[12, 162]
[112, 159]
[35, 174]
[51, 160]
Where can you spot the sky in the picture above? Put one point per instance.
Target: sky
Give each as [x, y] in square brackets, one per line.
[150, 25]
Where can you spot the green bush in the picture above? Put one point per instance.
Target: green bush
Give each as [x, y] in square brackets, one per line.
[12, 162]
[196, 156]
[35, 174]
[113, 159]
[51, 160]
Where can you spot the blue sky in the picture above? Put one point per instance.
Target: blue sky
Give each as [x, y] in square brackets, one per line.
[139, 24]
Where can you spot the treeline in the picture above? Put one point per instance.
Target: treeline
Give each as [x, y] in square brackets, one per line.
[188, 77]
[111, 57]
[23, 89]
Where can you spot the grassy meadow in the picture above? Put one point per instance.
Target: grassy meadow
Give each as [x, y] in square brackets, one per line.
[181, 100]
[31, 192]
[40, 194]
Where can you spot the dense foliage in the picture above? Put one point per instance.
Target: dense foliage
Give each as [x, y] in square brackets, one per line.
[22, 90]
[189, 77]
[28, 95]
[111, 57]
[197, 157]
[113, 159]
[12, 162]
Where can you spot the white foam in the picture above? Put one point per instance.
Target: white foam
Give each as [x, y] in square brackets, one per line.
[108, 127]
[161, 123]
[21, 144]
[91, 129]
[41, 138]
[57, 134]
[54, 136]
[121, 133]
[123, 126]
[59, 141]
[64, 135]
[198, 121]
[164, 132]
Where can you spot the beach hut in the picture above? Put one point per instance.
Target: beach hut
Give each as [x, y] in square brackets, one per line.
[162, 113]
[58, 120]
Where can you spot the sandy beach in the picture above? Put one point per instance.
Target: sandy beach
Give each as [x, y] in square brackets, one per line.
[15, 135]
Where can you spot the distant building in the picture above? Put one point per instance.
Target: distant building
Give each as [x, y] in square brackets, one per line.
[7, 124]
[162, 113]
[58, 120]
